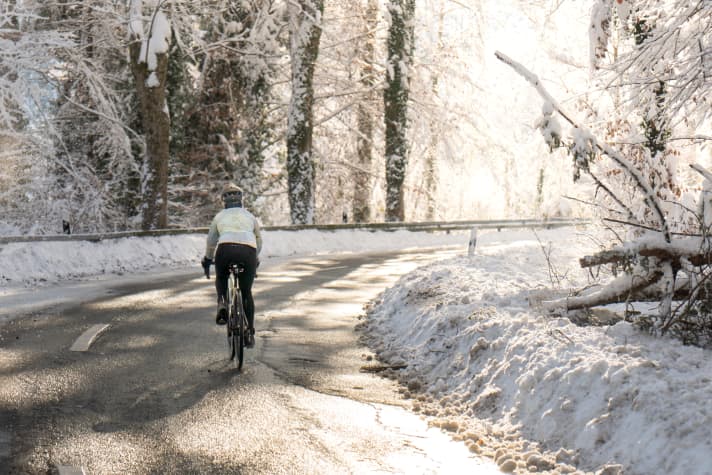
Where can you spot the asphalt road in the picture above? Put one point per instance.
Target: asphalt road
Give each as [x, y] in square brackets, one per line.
[155, 393]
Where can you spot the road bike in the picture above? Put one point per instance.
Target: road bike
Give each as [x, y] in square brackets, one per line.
[236, 319]
[237, 327]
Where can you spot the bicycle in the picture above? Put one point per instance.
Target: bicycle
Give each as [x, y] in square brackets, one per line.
[237, 327]
[236, 319]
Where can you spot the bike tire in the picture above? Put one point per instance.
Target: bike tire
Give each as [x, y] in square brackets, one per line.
[241, 329]
[231, 321]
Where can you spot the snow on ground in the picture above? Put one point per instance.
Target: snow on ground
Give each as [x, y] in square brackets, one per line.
[34, 263]
[537, 392]
[74, 271]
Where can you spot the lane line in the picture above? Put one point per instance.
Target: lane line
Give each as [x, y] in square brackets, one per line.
[69, 470]
[87, 338]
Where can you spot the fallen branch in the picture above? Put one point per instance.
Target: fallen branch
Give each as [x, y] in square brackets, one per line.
[622, 256]
[689, 250]
[617, 291]
[611, 256]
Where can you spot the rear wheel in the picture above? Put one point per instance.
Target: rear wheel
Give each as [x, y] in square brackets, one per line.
[231, 319]
[239, 333]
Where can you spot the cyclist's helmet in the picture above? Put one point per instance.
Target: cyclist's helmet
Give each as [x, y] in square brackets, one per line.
[232, 195]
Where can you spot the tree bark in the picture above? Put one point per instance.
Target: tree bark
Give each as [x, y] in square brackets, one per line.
[362, 176]
[305, 34]
[156, 125]
[400, 53]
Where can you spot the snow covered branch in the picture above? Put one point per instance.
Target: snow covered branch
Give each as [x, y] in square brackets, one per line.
[694, 250]
[585, 140]
[621, 289]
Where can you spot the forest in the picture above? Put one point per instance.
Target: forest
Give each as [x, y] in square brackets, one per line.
[130, 115]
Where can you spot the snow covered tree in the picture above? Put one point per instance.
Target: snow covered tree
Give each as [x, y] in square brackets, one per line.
[23, 49]
[258, 49]
[94, 122]
[348, 106]
[229, 124]
[430, 177]
[70, 117]
[305, 17]
[150, 36]
[361, 207]
[401, 43]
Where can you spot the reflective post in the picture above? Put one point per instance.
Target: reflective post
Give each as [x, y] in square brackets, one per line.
[472, 243]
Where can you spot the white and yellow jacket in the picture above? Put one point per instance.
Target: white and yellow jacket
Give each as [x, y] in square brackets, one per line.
[236, 226]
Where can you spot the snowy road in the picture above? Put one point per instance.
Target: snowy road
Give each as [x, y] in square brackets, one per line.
[155, 393]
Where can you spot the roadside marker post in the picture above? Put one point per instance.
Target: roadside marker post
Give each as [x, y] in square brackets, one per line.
[473, 242]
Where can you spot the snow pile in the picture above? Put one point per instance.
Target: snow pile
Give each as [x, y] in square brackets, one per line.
[32, 263]
[535, 392]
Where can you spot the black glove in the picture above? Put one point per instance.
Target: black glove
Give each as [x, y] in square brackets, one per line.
[206, 263]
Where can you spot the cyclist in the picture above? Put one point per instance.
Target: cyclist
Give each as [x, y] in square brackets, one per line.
[235, 232]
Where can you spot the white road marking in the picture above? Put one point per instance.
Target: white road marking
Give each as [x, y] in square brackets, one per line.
[87, 338]
[69, 470]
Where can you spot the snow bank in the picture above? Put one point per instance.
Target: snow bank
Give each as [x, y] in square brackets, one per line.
[38, 262]
[477, 353]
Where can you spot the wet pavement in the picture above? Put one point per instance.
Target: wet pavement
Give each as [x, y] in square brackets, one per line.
[155, 393]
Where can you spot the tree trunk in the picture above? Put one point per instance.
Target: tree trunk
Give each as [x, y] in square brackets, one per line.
[431, 170]
[305, 33]
[364, 146]
[400, 53]
[153, 108]
[156, 126]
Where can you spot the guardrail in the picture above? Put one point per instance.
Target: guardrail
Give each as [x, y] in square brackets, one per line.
[397, 226]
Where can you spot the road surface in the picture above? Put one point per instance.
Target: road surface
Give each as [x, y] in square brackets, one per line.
[155, 393]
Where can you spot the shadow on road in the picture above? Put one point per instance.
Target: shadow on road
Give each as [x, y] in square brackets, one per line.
[163, 354]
